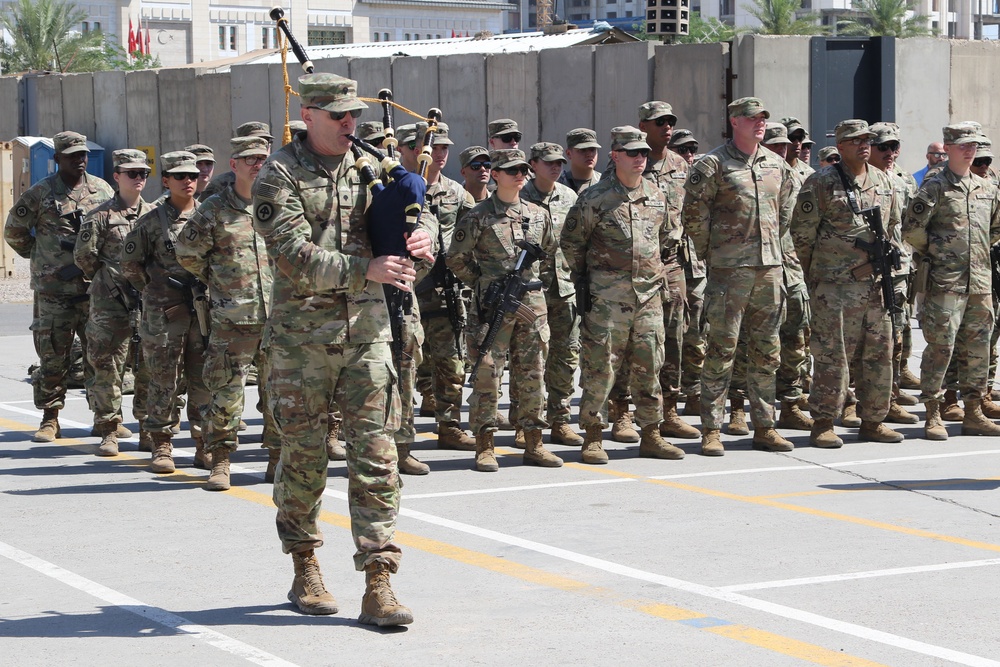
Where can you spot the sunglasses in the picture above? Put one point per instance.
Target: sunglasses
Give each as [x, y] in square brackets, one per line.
[509, 138]
[982, 162]
[888, 146]
[663, 120]
[136, 173]
[635, 152]
[184, 177]
[339, 115]
[936, 154]
[254, 160]
[514, 171]
[685, 150]
[833, 159]
[861, 141]
[477, 165]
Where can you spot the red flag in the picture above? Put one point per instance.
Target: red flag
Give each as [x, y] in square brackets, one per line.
[147, 38]
[131, 36]
[453, 34]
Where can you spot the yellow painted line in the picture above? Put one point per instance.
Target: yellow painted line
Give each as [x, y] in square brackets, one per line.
[769, 641]
[930, 484]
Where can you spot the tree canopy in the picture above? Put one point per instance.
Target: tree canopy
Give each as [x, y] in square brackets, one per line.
[884, 18]
[781, 17]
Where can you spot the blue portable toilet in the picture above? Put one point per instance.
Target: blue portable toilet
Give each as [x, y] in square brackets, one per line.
[34, 159]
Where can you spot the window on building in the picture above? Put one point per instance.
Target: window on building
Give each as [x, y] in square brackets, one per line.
[222, 38]
[265, 36]
[612, 15]
[407, 36]
[428, 37]
[85, 26]
[628, 13]
[326, 37]
[375, 37]
[232, 38]
[97, 25]
[437, 36]
[385, 37]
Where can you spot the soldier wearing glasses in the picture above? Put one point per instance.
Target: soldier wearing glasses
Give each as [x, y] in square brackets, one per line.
[684, 144]
[614, 240]
[475, 170]
[503, 134]
[797, 138]
[98, 254]
[219, 246]
[829, 155]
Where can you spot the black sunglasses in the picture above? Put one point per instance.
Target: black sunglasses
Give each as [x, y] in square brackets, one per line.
[509, 138]
[683, 150]
[663, 120]
[184, 177]
[136, 173]
[514, 171]
[888, 146]
[635, 152]
[982, 162]
[833, 159]
[477, 165]
[339, 115]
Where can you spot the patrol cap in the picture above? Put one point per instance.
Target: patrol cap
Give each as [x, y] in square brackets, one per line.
[507, 157]
[885, 132]
[129, 158]
[296, 126]
[961, 133]
[247, 146]
[807, 142]
[854, 128]
[502, 126]
[626, 138]
[470, 154]
[406, 133]
[201, 152]
[546, 151]
[826, 152]
[681, 137]
[371, 130]
[179, 162]
[582, 137]
[748, 107]
[775, 133]
[440, 137]
[793, 125]
[254, 128]
[69, 142]
[330, 92]
[655, 109]
[985, 147]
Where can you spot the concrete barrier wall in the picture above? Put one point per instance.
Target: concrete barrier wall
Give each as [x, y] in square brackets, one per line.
[692, 79]
[975, 67]
[78, 104]
[215, 125]
[565, 107]
[110, 115]
[623, 80]
[143, 114]
[10, 108]
[923, 75]
[512, 91]
[462, 95]
[45, 114]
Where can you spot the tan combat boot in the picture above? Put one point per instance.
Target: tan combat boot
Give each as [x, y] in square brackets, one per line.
[692, 406]
[408, 463]
[563, 434]
[849, 416]
[899, 415]
[673, 426]
[273, 457]
[121, 432]
[622, 429]
[934, 426]
[49, 429]
[202, 458]
[219, 479]
[593, 446]
[519, 441]
[975, 422]
[428, 405]
[379, 605]
[451, 436]
[109, 439]
[767, 439]
[903, 398]
[951, 411]
[334, 450]
[536, 454]
[145, 441]
[711, 443]
[162, 460]
[653, 446]
[486, 460]
[737, 418]
[308, 592]
[907, 380]
[822, 435]
[791, 417]
[990, 409]
[878, 432]
[503, 424]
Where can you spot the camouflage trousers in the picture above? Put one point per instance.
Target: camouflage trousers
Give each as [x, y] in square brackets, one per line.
[305, 381]
[732, 297]
[849, 321]
[951, 377]
[956, 326]
[174, 351]
[442, 371]
[617, 337]
[57, 318]
[109, 336]
[563, 358]
[413, 336]
[693, 349]
[528, 345]
[232, 349]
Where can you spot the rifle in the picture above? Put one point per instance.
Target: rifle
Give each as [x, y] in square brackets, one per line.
[198, 301]
[504, 296]
[995, 267]
[70, 271]
[134, 318]
[449, 284]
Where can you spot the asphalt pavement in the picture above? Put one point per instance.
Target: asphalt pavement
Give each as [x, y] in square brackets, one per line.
[873, 554]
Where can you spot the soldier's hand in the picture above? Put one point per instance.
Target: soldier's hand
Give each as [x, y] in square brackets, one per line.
[419, 245]
[392, 270]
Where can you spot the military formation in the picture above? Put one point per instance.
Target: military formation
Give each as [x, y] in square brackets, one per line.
[357, 287]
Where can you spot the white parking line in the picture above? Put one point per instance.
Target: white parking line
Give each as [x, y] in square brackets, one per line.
[155, 614]
[805, 581]
[527, 487]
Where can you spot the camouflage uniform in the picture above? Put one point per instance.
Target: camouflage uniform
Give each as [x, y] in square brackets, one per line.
[222, 181]
[218, 245]
[36, 231]
[109, 328]
[561, 305]
[847, 309]
[736, 226]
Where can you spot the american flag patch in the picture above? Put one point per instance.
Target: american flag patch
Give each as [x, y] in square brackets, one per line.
[268, 191]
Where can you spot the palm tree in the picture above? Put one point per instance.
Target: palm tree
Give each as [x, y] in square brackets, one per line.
[780, 17]
[885, 17]
[44, 39]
